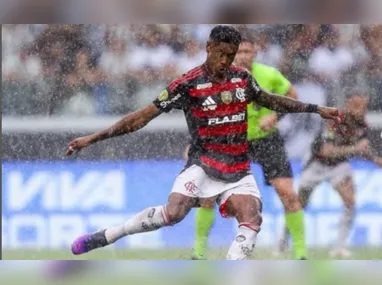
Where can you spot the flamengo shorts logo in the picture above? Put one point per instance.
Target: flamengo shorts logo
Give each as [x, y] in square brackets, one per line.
[190, 187]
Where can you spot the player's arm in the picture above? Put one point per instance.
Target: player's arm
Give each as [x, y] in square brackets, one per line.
[291, 93]
[331, 151]
[165, 102]
[128, 124]
[361, 149]
[284, 104]
[289, 105]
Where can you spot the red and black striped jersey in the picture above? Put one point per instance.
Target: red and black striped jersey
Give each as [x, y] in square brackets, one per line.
[216, 115]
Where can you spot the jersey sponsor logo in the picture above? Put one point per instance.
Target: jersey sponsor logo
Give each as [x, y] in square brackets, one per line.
[235, 80]
[240, 94]
[164, 104]
[163, 96]
[204, 86]
[226, 97]
[209, 104]
[227, 119]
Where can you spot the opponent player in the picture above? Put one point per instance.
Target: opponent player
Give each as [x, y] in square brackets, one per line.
[329, 160]
[266, 148]
[214, 98]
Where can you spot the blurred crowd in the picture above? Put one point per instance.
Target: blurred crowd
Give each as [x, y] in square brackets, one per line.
[113, 69]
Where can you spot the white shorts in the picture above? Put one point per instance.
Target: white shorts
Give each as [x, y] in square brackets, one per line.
[317, 172]
[194, 182]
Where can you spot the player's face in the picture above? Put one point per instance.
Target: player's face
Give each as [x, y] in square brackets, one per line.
[357, 106]
[245, 55]
[220, 56]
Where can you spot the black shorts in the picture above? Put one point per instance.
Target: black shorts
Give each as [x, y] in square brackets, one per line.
[270, 153]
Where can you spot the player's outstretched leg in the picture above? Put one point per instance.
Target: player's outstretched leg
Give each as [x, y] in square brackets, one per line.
[247, 210]
[347, 193]
[205, 217]
[150, 219]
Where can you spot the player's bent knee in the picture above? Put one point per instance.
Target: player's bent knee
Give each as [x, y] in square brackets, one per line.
[176, 214]
[178, 207]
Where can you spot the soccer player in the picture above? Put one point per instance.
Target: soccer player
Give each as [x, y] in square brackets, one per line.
[214, 98]
[329, 160]
[266, 147]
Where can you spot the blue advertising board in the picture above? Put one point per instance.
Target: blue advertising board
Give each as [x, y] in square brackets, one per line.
[48, 204]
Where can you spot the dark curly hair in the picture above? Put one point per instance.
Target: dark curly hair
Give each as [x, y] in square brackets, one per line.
[226, 34]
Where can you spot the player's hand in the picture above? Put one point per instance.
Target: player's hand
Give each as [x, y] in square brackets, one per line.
[78, 144]
[268, 122]
[328, 113]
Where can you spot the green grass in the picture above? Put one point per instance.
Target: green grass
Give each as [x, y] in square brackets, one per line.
[88, 277]
[173, 254]
[201, 273]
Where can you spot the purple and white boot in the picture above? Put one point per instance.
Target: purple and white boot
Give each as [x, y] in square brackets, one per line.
[89, 242]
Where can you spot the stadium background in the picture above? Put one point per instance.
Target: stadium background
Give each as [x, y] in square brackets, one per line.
[62, 81]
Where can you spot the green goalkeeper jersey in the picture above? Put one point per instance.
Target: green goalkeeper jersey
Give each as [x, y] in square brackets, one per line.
[271, 80]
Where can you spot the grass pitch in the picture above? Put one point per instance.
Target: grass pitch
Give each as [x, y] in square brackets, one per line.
[175, 254]
[162, 273]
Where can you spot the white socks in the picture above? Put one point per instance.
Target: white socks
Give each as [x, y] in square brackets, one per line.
[244, 243]
[148, 220]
